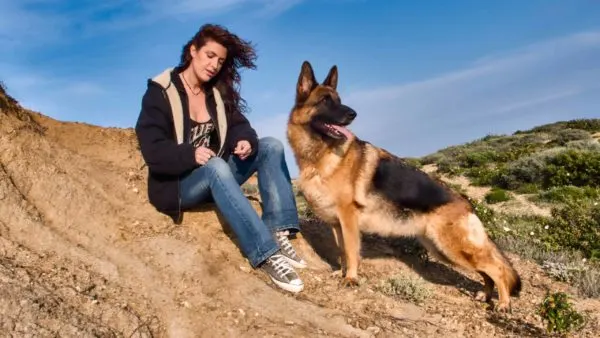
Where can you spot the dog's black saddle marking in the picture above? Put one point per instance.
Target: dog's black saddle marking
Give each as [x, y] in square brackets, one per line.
[408, 187]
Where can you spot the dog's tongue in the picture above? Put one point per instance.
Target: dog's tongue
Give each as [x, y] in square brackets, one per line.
[342, 130]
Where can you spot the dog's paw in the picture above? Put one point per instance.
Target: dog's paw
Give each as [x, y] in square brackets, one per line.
[337, 273]
[349, 282]
[480, 296]
[503, 308]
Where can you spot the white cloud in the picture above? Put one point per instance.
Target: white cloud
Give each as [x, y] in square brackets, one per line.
[31, 23]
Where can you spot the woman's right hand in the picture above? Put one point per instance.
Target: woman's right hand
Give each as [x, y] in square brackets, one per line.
[203, 154]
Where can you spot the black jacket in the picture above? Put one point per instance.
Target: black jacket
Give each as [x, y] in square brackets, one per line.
[168, 161]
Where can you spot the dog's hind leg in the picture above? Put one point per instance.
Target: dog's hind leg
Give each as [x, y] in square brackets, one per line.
[486, 258]
[488, 289]
[493, 264]
[466, 244]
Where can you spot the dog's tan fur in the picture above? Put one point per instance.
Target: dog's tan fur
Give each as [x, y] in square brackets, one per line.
[336, 180]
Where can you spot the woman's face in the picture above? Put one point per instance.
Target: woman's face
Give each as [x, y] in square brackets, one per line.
[208, 60]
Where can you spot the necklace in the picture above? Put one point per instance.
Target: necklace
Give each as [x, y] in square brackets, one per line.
[190, 87]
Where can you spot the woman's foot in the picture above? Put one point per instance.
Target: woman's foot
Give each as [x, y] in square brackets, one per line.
[288, 251]
[282, 273]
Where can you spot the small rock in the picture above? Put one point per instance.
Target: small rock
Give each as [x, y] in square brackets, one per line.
[289, 322]
[242, 312]
[135, 190]
[374, 330]
[186, 304]
[95, 301]
[245, 269]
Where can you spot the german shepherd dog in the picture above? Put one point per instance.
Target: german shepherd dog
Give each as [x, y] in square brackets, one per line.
[355, 187]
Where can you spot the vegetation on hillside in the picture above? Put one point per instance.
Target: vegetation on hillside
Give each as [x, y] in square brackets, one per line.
[556, 166]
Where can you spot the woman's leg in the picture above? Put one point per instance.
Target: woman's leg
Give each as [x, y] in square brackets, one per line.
[255, 239]
[280, 212]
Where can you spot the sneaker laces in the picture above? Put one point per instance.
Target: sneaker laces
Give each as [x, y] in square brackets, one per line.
[280, 265]
[284, 243]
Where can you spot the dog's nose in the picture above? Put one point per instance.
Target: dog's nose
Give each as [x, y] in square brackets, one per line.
[351, 114]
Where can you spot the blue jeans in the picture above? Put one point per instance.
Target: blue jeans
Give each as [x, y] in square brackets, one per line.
[223, 181]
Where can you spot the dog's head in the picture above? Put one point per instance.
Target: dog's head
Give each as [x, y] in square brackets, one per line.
[319, 105]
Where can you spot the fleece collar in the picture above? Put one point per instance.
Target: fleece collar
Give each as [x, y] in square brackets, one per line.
[164, 79]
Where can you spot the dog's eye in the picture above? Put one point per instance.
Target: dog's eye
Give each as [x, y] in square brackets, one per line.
[325, 99]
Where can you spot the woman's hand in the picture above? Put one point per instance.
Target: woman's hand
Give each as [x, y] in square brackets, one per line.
[243, 149]
[203, 154]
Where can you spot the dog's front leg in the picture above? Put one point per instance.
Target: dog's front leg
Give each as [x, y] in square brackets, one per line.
[339, 241]
[351, 243]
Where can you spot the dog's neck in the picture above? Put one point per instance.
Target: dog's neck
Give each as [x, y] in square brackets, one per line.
[310, 149]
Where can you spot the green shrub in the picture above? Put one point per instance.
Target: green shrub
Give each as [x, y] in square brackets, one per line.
[551, 168]
[585, 145]
[558, 313]
[477, 159]
[484, 176]
[528, 188]
[497, 195]
[591, 125]
[527, 170]
[447, 166]
[569, 193]
[415, 162]
[573, 167]
[575, 226]
[566, 135]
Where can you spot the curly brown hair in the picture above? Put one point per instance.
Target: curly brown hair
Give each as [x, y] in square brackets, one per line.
[240, 53]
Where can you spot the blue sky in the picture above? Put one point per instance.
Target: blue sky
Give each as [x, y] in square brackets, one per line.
[422, 75]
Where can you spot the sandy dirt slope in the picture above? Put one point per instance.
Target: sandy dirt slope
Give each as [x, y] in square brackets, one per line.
[83, 254]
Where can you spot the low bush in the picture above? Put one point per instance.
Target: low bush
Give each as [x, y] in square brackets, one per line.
[573, 167]
[567, 135]
[575, 226]
[568, 193]
[497, 195]
[559, 315]
[407, 288]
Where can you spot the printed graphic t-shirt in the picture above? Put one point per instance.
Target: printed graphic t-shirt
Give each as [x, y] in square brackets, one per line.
[200, 133]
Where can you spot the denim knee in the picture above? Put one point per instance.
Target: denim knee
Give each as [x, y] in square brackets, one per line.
[271, 144]
[219, 167]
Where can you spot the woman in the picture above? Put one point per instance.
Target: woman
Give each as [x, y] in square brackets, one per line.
[199, 146]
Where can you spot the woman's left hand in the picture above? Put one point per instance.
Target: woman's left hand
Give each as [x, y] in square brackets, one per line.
[243, 149]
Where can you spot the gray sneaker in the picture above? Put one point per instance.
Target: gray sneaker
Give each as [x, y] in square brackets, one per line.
[288, 251]
[281, 273]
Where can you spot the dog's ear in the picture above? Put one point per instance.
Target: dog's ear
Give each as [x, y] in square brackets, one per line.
[332, 78]
[306, 82]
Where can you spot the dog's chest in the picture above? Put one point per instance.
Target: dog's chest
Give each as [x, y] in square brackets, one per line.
[320, 197]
